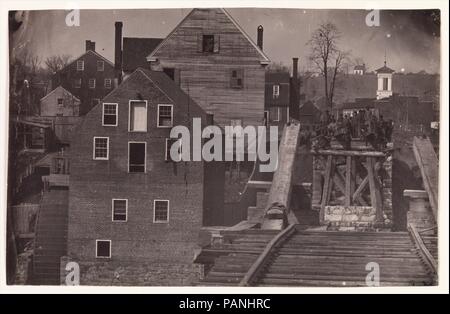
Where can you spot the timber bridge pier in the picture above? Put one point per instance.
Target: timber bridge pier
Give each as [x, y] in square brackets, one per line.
[341, 236]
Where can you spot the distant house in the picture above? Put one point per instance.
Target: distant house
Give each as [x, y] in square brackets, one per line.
[277, 98]
[90, 77]
[130, 204]
[59, 102]
[217, 64]
[282, 96]
[359, 69]
[309, 114]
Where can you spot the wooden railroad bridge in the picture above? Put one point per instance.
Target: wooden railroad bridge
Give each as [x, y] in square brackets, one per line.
[332, 244]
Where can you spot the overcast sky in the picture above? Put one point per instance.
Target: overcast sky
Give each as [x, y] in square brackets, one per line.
[410, 38]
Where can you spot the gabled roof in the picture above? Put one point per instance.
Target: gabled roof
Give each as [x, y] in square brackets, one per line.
[59, 88]
[85, 53]
[385, 69]
[277, 77]
[135, 51]
[169, 88]
[264, 60]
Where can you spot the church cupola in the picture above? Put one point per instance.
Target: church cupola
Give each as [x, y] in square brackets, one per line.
[384, 76]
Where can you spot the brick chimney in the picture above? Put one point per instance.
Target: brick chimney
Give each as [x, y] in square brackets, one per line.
[90, 45]
[294, 94]
[118, 52]
[295, 68]
[260, 37]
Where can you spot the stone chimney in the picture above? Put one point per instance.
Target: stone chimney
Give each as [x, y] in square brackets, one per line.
[260, 37]
[118, 52]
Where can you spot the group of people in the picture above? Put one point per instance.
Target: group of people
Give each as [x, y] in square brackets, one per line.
[363, 124]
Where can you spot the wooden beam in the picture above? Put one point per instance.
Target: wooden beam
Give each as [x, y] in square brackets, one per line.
[428, 258]
[262, 259]
[373, 187]
[348, 181]
[326, 187]
[259, 184]
[429, 168]
[361, 187]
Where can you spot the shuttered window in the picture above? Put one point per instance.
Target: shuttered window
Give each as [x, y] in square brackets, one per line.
[138, 116]
[208, 43]
[237, 78]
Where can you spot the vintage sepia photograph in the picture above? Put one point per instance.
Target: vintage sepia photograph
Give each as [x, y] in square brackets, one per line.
[204, 146]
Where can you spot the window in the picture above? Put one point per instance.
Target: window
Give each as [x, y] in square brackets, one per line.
[275, 114]
[165, 116]
[237, 78]
[100, 66]
[119, 209]
[60, 102]
[169, 143]
[385, 83]
[80, 65]
[108, 83]
[276, 91]
[91, 83]
[101, 148]
[77, 83]
[136, 156]
[138, 116]
[109, 115]
[208, 43]
[160, 211]
[103, 248]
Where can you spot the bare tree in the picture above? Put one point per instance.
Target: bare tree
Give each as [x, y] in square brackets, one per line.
[326, 56]
[56, 63]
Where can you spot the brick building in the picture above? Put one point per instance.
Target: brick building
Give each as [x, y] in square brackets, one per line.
[130, 207]
[90, 77]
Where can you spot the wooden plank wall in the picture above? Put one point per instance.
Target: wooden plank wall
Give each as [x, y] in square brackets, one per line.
[429, 167]
[206, 77]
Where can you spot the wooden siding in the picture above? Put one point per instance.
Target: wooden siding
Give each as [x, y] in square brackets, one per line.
[206, 76]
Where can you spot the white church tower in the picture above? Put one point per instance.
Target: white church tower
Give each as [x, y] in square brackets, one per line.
[384, 75]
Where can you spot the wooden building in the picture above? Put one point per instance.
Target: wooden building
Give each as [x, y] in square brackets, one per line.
[90, 77]
[277, 98]
[59, 103]
[217, 64]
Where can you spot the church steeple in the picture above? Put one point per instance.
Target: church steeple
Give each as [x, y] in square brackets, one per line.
[384, 75]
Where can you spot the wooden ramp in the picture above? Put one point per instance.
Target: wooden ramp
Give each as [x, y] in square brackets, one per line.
[429, 167]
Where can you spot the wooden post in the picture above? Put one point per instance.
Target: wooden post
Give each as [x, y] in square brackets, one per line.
[353, 176]
[373, 187]
[348, 179]
[326, 187]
